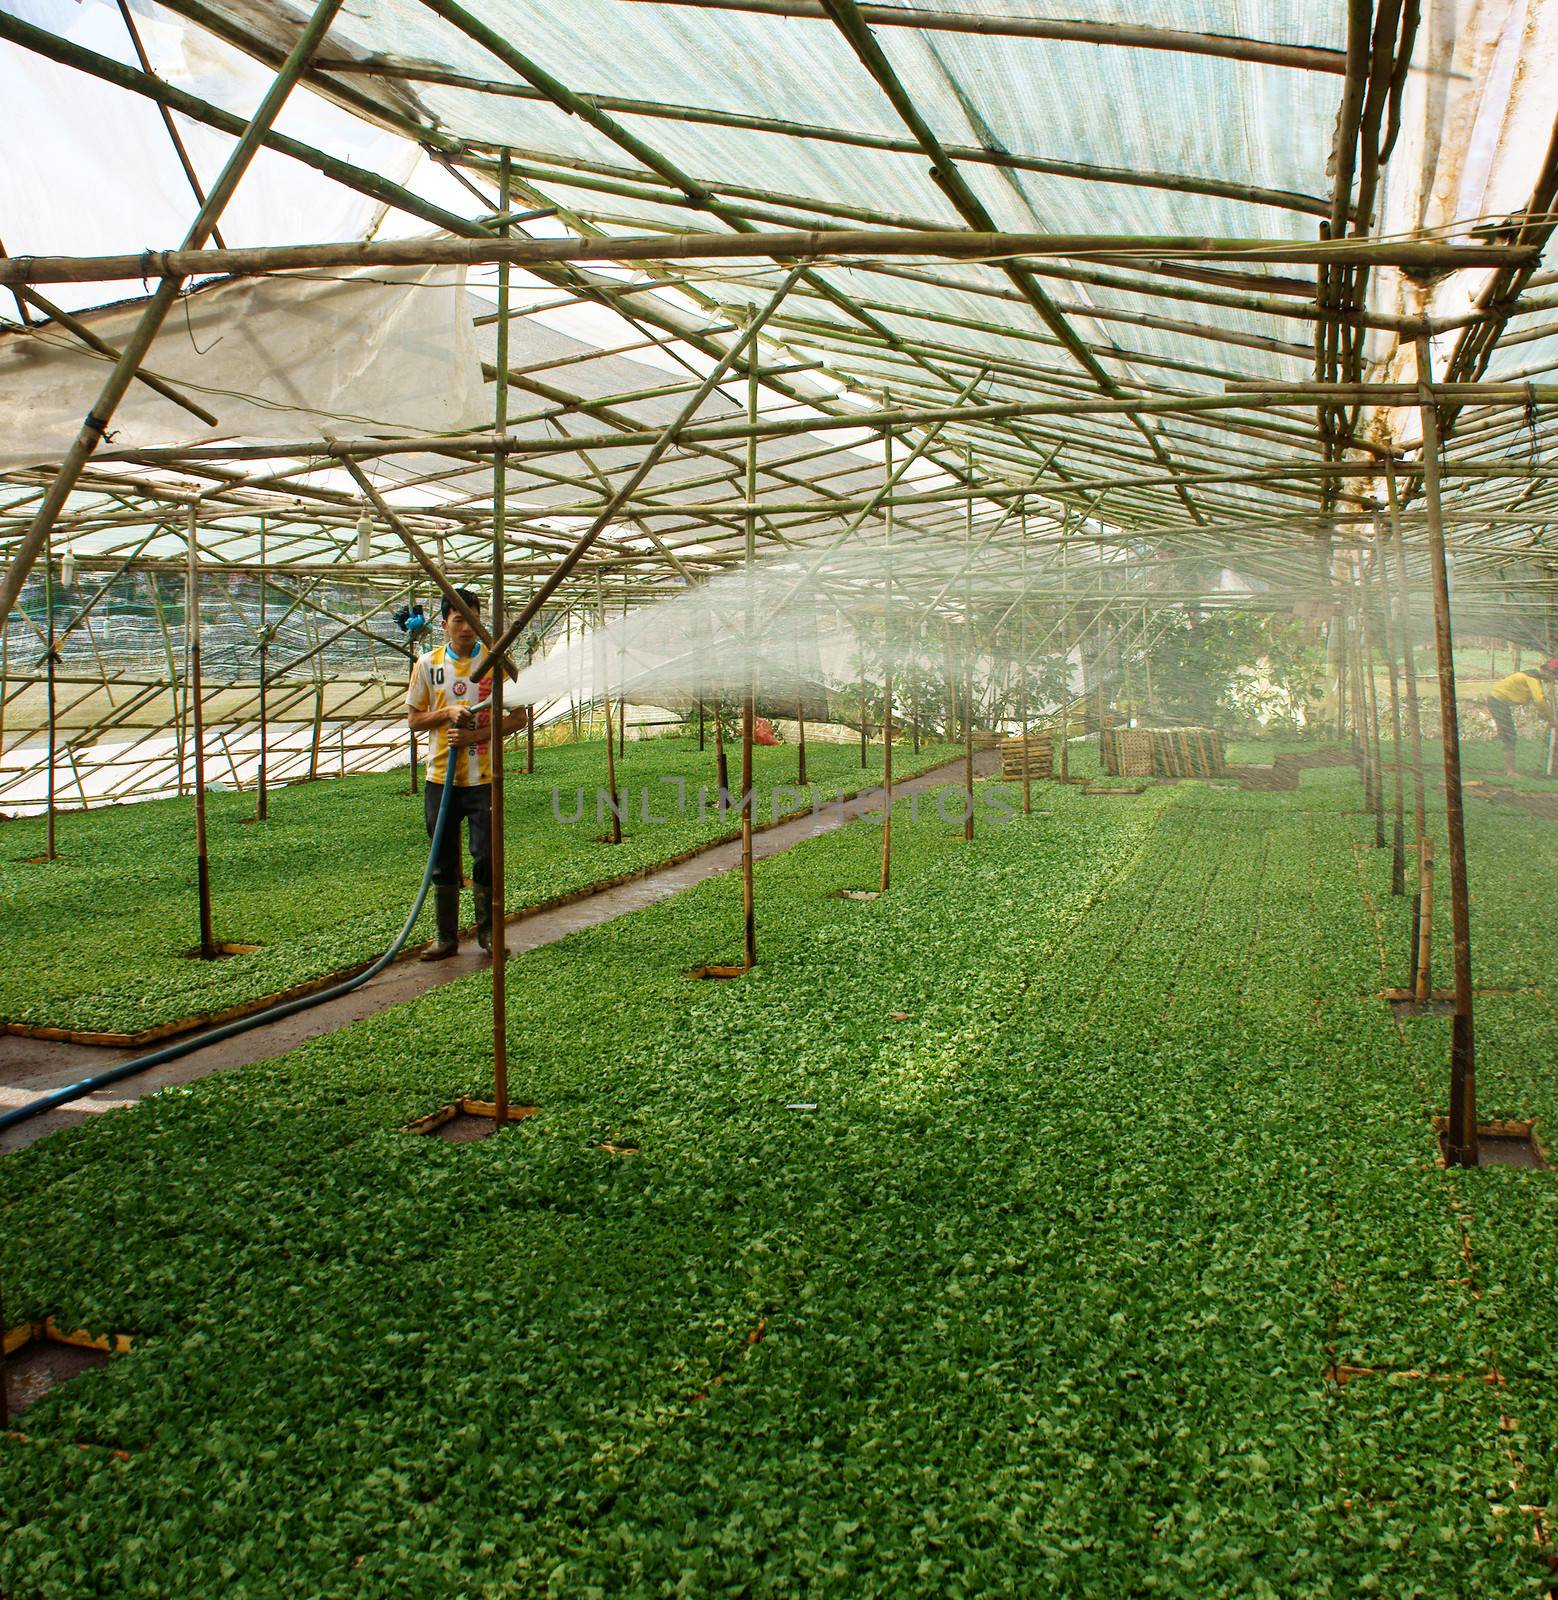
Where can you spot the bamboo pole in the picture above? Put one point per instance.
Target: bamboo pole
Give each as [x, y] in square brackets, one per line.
[1461, 1140]
[1414, 710]
[805, 245]
[51, 669]
[161, 303]
[887, 683]
[1424, 966]
[862, 702]
[191, 176]
[1398, 821]
[1309, 58]
[530, 720]
[262, 793]
[197, 733]
[1022, 681]
[968, 666]
[748, 897]
[721, 765]
[1371, 697]
[499, 932]
[603, 657]
[914, 654]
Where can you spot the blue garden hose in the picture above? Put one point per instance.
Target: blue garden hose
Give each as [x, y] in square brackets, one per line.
[229, 1030]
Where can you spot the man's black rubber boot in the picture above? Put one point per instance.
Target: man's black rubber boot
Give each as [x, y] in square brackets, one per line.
[446, 904]
[483, 898]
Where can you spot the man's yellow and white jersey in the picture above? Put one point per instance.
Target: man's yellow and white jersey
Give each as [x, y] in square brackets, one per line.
[442, 678]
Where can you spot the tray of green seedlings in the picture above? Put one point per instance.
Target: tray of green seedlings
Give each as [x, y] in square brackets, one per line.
[105, 938]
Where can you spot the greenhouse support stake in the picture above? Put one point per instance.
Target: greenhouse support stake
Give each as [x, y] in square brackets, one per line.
[1409, 683]
[1022, 668]
[51, 669]
[1371, 700]
[197, 734]
[721, 765]
[1461, 1140]
[968, 665]
[602, 656]
[261, 793]
[1398, 823]
[1065, 656]
[748, 709]
[495, 924]
[887, 681]
[1423, 976]
[862, 702]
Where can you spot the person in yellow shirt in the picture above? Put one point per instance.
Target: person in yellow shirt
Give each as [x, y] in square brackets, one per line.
[444, 700]
[1518, 689]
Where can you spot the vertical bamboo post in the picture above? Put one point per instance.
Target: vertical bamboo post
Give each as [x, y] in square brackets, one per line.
[51, 659]
[1371, 698]
[748, 901]
[862, 639]
[1461, 1142]
[952, 684]
[5, 674]
[721, 765]
[319, 728]
[530, 717]
[1022, 668]
[1409, 683]
[573, 699]
[968, 664]
[700, 725]
[914, 654]
[604, 655]
[261, 790]
[499, 932]
[887, 679]
[197, 734]
[622, 680]
[800, 743]
[1422, 983]
[1065, 658]
[1398, 824]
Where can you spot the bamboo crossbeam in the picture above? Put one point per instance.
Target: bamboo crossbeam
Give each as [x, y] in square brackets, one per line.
[820, 244]
[1310, 58]
[485, 443]
[1134, 177]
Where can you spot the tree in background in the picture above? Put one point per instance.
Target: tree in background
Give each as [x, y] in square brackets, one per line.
[1236, 669]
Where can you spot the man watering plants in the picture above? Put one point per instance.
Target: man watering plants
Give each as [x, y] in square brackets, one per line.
[444, 699]
[1519, 689]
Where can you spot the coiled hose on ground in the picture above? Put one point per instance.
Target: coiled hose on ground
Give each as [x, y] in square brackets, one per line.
[229, 1030]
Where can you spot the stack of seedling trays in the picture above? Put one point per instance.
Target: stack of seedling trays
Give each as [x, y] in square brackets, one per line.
[1030, 758]
[1127, 753]
[1187, 753]
[1163, 753]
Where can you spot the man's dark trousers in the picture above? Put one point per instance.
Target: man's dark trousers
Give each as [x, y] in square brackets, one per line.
[473, 802]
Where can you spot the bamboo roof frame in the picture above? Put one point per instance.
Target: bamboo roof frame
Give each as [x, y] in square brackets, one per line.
[1257, 456]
